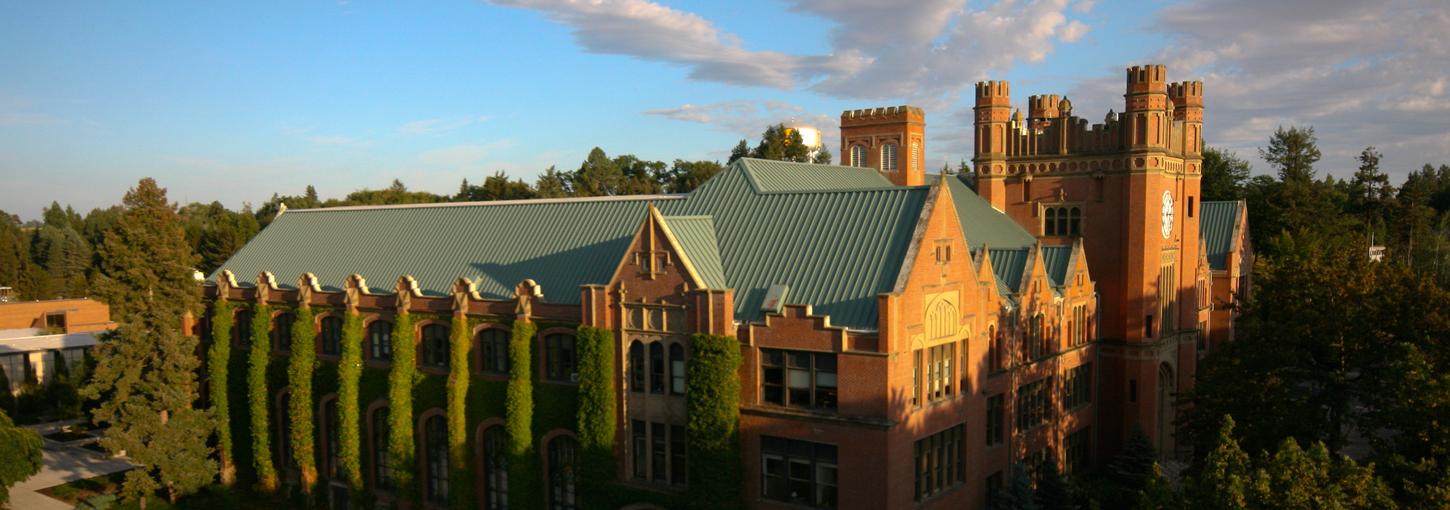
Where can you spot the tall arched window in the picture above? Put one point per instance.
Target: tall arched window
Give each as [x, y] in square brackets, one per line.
[495, 469]
[858, 155]
[561, 473]
[380, 340]
[282, 332]
[333, 436]
[888, 157]
[331, 335]
[383, 474]
[1062, 221]
[1074, 222]
[677, 369]
[1049, 224]
[560, 362]
[493, 350]
[435, 451]
[636, 366]
[435, 346]
[656, 368]
[242, 329]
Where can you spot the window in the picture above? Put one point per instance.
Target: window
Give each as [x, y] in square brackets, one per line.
[798, 472]
[284, 432]
[940, 463]
[678, 463]
[560, 363]
[996, 412]
[330, 431]
[435, 346]
[996, 351]
[1078, 325]
[1036, 343]
[1027, 190]
[1132, 390]
[1190, 207]
[1033, 404]
[657, 452]
[1074, 221]
[639, 448]
[282, 332]
[656, 368]
[1077, 388]
[677, 369]
[561, 472]
[1062, 221]
[495, 469]
[1077, 453]
[798, 378]
[915, 154]
[380, 340]
[636, 366]
[1148, 326]
[436, 460]
[659, 440]
[242, 329]
[858, 155]
[994, 491]
[1049, 224]
[55, 322]
[939, 374]
[1168, 296]
[916, 378]
[888, 157]
[383, 474]
[331, 336]
[493, 349]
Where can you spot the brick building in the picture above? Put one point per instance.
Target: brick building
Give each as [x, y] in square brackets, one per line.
[905, 338]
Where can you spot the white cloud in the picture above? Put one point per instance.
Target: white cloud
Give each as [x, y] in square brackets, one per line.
[439, 125]
[747, 119]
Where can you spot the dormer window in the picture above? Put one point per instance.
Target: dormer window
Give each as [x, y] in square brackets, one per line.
[888, 157]
[858, 155]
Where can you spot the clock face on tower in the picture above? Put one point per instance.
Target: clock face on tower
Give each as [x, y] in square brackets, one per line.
[1167, 214]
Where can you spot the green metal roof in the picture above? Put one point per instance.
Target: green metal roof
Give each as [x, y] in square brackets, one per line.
[769, 176]
[696, 235]
[837, 242]
[1056, 259]
[981, 224]
[1218, 223]
[1009, 266]
[560, 244]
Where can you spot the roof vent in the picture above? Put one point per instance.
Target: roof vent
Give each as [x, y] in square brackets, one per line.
[774, 298]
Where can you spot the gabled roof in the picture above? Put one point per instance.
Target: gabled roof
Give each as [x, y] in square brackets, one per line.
[1010, 266]
[981, 224]
[1057, 259]
[1218, 225]
[696, 235]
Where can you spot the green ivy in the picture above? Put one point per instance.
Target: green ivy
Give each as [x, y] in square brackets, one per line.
[257, 393]
[712, 402]
[218, 356]
[349, 373]
[596, 407]
[519, 414]
[401, 379]
[461, 479]
[300, 366]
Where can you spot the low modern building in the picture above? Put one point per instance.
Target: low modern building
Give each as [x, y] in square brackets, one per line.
[906, 337]
[34, 333]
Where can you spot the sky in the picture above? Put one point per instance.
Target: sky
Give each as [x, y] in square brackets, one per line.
[235, 102]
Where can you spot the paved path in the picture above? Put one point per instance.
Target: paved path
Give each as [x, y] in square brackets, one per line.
[61, 464]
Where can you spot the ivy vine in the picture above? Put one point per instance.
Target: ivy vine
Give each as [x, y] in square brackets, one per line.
[519, 413]
[596, 406]
[712, 402]
[217, 357]
[300, 365]
[257, 394]
[461, 481]
[401, 379]
[349, 375]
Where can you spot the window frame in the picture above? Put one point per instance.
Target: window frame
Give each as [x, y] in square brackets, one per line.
[329, 336]
[821, 397]
[819, 457]
[493, 354]
[561, 364]
[380, 338]
[433, 344]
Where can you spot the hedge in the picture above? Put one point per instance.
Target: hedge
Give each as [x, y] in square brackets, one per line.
[712, 402]
[459, 474]
[519, 415]
[349, 374]
[258, 396]
[401, 379]
[596, 408]
[217, 358]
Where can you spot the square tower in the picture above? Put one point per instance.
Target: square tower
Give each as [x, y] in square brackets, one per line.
[890, 139]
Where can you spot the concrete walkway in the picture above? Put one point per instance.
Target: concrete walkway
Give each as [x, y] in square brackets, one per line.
[61, 464]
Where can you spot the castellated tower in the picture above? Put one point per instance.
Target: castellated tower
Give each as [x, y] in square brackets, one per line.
[891, 140]
[1128, 186]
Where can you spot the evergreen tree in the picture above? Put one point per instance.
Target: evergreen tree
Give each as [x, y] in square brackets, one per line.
[552, 184]
[782, 144]
[1018, 494]
[1132, 469]
[822, 157]
[1293, 153]
[1224, 478]
[1370, 192]
[597, 176]
[1053, 490]
[145, 274]
[685, 176]
[1224, 175]
[20, 454]
[741, 150]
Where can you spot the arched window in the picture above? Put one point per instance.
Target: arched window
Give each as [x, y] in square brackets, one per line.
[242, 329]
[380, 340]
[331, 335]
[495, 469]
[435, 444]
[858, 155]
[560, 362]
[383, 471]
[888, 157]
[493, 349]
[282, 332]
[636, 366]
[435, 346]
[656, 368]
[1074, 223]
[677, 369]
[333, 436]
[1049, 226]
[1061, 221]
[561, 473]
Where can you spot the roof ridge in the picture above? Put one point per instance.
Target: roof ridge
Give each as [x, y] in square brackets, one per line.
[485, 203]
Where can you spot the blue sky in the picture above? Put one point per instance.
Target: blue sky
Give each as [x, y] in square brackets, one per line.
[235, 102]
